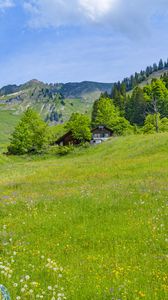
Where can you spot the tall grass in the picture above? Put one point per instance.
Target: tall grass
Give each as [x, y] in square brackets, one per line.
[88, 226]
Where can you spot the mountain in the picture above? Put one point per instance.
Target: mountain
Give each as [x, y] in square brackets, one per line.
[56, 102]
[68, 90]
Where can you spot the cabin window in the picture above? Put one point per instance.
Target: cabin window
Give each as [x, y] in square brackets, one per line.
[96, 135]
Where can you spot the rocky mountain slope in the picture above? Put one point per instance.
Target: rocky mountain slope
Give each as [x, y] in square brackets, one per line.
[56, 101]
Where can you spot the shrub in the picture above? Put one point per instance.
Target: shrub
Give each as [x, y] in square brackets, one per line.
[64, 150]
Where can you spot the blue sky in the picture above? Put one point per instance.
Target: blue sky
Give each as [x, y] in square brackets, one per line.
[76, 40]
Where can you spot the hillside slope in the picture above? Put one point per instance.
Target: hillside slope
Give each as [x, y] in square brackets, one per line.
[91, 225]
[56, 102]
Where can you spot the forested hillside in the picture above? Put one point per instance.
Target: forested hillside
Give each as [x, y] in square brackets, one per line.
[136, 97]
[143, 103]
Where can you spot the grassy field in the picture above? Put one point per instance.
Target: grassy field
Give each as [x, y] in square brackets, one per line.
[89, 226]
[8, 122]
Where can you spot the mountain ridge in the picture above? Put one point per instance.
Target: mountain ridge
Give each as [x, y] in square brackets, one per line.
[54, 101]
[64, 88]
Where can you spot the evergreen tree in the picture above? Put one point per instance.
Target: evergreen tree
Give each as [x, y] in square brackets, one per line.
[136, 107]
[161, 65]
[155, 68]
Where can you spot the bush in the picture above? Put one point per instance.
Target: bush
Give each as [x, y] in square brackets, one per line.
[64, 150]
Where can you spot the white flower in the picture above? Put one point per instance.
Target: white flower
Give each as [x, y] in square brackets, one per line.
[15, 284]
[25, 286]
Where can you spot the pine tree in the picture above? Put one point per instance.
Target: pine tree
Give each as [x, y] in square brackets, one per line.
[161, 65]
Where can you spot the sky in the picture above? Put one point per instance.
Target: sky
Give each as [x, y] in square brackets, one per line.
[77, 40]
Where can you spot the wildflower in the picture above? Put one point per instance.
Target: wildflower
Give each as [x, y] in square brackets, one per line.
[25, 286]
[15, 284]
[141, 294]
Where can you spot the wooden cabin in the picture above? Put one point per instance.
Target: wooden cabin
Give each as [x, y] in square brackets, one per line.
[100, 134]
[67, 139]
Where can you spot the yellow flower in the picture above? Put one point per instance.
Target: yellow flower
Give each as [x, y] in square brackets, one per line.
[141, 294]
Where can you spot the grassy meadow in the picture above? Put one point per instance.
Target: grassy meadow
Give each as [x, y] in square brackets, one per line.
[8, 121]
[88, 226]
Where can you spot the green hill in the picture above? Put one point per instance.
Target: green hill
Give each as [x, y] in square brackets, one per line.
[154, 75]
[56, 102]
[91, 225]
[7, 123]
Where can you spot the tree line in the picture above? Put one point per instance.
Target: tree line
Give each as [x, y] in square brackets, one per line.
[145, 110]
[131, 82]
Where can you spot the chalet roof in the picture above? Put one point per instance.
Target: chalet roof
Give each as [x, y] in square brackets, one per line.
[101, 127]
[64, 136]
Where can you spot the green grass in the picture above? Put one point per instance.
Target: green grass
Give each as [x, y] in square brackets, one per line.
[8, 121]
[91, 225]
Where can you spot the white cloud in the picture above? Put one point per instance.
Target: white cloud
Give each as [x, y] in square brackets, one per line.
[96, 9]
[4, 4]
[130, 16]
[55, 13]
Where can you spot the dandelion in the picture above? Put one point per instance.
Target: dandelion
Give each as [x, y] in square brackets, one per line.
[15, 284]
